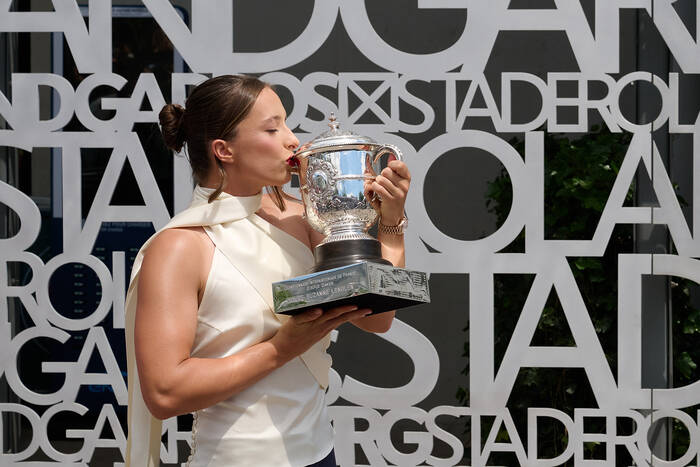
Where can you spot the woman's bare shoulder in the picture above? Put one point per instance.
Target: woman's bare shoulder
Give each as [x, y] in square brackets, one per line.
[179, 246]
[179, 239]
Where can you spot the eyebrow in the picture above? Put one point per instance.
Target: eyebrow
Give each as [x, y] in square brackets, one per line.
[274, 118]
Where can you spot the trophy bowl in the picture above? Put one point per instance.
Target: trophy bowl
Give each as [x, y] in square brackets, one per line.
[335, 171]
[333, 190]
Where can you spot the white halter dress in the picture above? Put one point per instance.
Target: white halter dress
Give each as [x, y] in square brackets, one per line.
[279, 421]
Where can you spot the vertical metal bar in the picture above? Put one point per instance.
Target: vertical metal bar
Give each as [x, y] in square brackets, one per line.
[681, 169]
[4, 66]
[8, 224]
[11, 61]
[653, 57]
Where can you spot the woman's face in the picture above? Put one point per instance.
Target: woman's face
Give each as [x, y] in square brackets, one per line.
[262, 145]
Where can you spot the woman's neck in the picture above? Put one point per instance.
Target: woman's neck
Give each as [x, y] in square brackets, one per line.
[233, 188]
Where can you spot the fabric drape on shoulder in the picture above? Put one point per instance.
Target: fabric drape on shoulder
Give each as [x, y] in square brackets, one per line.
[238, 214]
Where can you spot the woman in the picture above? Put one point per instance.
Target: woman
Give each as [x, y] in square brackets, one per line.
[200, 329]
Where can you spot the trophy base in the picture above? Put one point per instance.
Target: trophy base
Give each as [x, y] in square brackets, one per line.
[344, 252]
[365, 284]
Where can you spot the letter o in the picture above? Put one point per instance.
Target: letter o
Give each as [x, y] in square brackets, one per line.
[102, 309]
[686, 420]
[523, 195]
[658, 84]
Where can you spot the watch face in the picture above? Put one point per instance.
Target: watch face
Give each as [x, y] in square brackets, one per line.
[403, 225]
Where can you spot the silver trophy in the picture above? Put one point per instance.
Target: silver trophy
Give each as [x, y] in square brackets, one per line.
[335, 171]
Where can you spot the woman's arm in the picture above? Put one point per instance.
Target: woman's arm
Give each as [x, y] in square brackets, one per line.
[173, 382]
[392, 187]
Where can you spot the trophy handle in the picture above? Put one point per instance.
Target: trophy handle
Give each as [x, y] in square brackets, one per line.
[386, 149]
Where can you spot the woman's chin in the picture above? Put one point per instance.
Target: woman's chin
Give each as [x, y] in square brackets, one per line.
[287, 178]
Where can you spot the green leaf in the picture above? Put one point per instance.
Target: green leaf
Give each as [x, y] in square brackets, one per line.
[686, 365]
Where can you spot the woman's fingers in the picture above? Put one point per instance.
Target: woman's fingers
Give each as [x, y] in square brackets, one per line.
[396, 179]
[335, 315]
[393, 200]
[307, 328]
[335, 312]
[347, 316]
[388, 188]
[308, 315]
[382, 191]
[400, 168]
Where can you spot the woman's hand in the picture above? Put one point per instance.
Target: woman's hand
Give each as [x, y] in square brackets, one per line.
[301, 331]
[391, 187]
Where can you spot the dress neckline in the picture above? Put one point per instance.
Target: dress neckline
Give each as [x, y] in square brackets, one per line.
[252, 204]
[274, 227]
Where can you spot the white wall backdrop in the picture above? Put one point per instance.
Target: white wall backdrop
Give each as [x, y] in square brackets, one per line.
[465, 85]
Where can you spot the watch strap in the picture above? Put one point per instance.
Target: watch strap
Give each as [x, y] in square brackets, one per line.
[397, 229]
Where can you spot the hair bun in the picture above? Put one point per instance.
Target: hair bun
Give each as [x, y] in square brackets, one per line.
[172, 118]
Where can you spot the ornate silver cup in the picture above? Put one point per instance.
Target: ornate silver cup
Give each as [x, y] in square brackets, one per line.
[335, 170]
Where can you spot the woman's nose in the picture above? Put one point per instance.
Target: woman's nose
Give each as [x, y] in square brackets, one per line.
[293, 141]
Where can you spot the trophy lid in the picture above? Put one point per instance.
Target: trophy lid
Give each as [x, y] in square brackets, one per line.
[333, 138]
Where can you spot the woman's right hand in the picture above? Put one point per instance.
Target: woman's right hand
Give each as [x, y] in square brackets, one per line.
[301, 331]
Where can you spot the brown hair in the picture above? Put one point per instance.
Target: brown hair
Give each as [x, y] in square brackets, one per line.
[212, 111]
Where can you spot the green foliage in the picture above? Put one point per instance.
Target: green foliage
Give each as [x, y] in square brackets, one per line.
[685, 364]
[578, 177]
[686, 352]
[579, 174]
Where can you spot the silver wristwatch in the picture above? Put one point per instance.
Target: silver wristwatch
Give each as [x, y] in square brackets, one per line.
[398, 229]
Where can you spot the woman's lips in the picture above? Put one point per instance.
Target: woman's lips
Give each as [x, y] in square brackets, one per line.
[292, 161]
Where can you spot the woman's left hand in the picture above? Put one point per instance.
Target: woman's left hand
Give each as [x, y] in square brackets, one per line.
[391, 187]
[388, 194]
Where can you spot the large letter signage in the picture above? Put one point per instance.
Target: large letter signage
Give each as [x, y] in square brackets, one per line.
[374, 412]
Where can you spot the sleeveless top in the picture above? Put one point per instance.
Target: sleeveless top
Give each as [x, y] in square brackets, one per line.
[281, 419]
